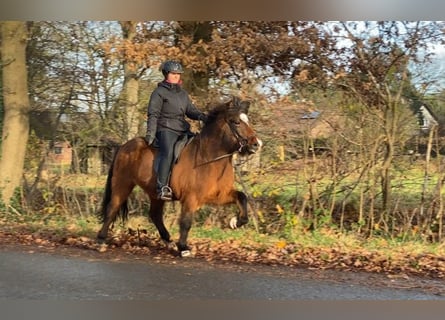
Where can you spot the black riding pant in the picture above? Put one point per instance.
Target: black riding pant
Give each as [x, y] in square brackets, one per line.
[166, 140]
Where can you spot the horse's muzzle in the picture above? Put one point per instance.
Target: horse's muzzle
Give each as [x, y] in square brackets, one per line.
[254, 145]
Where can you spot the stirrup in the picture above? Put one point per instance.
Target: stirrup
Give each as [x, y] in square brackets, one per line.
[166, 193]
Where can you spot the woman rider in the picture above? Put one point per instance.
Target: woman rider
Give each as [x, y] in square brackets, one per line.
[167, 110]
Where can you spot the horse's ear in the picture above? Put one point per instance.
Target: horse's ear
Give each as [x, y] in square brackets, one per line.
[230, 103]
[235, 101]
[242, 106]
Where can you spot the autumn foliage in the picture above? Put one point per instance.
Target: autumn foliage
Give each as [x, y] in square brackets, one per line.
[335, 103]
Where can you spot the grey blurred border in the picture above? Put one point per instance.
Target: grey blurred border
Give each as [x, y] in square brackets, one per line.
[218, 310]
[144, 10]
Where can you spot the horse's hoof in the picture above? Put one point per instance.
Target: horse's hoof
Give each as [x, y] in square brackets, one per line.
[186, 253]
[233, 223]
[171, 245]
[102, 247]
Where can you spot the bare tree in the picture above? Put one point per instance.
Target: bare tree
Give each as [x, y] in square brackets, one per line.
[373, 67]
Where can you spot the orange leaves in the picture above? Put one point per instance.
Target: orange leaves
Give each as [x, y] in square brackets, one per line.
[281, 244]
[145, 53]
[303, 75]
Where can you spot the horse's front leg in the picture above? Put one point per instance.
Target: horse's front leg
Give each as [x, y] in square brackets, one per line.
[242, 218]
[185, 223]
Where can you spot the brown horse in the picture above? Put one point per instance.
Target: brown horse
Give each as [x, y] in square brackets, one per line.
[202, 175]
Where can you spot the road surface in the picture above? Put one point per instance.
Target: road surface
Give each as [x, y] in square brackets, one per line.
[36, 275]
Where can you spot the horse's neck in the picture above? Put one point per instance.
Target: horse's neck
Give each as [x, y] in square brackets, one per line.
[209, 146]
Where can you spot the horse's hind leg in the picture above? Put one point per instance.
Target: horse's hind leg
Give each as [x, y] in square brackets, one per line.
[112, 210]
[156, 214]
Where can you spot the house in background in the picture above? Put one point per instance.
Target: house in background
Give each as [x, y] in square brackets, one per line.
[100, 156]
[94, 158]
[427, 118]
[61, 154]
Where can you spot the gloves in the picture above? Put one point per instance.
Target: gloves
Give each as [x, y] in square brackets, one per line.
[203, 117]
[150, 138]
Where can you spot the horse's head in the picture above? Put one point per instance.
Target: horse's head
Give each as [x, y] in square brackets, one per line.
[241, 132]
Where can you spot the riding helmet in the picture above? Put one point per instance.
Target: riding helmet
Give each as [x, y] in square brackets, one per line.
[171, 66]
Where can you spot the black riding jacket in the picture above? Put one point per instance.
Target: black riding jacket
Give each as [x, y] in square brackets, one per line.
[169, 104]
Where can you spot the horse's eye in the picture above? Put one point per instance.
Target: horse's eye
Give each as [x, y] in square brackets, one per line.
[236, 122]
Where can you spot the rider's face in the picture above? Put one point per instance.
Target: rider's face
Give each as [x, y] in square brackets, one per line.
[173, 77]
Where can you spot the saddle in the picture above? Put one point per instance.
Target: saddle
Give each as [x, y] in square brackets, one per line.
[180, 144]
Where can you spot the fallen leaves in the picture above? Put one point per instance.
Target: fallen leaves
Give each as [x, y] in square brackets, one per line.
[139, 242]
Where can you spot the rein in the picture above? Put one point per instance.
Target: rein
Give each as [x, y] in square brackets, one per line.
[217, 158]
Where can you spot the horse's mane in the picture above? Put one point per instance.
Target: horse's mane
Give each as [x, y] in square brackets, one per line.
[215, 111]
[235, 105]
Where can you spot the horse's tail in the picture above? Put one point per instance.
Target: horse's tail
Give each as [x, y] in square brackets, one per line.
[123, 210]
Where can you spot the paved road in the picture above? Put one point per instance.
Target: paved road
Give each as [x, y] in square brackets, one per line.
[42, 275]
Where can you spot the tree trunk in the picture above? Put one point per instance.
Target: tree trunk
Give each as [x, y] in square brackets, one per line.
[426, 176]
[129, 96]
[16, 106]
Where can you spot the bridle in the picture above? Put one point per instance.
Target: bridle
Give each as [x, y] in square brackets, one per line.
[243, 142]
